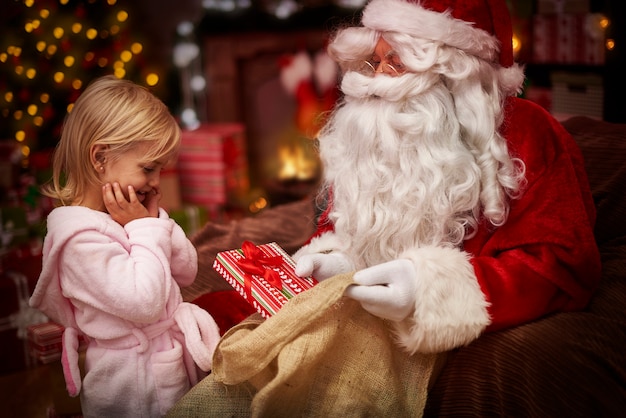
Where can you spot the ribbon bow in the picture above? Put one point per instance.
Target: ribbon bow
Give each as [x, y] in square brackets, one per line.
[257, 262]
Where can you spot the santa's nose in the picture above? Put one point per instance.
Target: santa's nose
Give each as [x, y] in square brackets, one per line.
[385, 67]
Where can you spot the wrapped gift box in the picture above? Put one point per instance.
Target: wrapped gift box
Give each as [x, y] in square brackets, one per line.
[264, 275]
[562, 6]
[45, 341]
[568, 39]
[213, 166]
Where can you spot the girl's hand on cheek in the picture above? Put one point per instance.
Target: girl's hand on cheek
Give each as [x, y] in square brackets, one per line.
[121, 210]
[151, 202]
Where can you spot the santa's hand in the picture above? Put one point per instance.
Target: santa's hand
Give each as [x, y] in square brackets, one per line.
[386, 290]
[322, 266]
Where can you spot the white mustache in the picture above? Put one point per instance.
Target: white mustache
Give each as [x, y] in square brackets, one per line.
[394, 89]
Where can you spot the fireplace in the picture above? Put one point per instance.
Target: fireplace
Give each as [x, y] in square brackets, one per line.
[243, 85]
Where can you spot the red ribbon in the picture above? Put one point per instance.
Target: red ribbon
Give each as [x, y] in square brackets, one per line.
[258, 263]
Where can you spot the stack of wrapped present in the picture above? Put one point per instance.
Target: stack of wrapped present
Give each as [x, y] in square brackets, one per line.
[45, 342]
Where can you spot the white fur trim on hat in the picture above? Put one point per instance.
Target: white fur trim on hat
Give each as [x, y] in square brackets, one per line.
[450, 308]
[511, 79]
[411, 18]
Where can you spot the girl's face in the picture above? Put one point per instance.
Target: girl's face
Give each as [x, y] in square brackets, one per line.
[133, 169]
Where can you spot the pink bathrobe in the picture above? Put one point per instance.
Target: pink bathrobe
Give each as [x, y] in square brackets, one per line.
[119, 286]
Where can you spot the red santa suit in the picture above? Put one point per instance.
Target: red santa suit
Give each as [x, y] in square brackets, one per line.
[544, 258]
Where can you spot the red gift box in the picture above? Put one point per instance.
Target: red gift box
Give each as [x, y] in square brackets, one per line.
[45, 341]
[213, 166]
[264, 275]
[567, 39]
[562, 6]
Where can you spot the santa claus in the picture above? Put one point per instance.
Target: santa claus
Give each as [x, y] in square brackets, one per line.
[462, 208]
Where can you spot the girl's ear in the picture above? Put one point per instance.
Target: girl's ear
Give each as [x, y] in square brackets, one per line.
[97, 155]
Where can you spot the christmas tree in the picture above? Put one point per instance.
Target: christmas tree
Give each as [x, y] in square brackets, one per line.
[49, 52]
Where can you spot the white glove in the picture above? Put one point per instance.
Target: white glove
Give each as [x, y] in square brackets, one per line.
[386, 290]
[322, 266]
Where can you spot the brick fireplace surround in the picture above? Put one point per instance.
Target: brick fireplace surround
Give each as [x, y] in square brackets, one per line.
[243, 85]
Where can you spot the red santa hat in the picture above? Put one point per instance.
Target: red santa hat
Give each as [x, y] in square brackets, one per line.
[479, 27]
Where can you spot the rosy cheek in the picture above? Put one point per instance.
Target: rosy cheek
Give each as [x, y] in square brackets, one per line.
[124, 188]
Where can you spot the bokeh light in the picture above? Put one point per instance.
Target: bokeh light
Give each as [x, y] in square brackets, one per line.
[152, 79]
[50, 52]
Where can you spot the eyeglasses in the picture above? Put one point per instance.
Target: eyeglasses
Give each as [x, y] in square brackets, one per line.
[369, 68]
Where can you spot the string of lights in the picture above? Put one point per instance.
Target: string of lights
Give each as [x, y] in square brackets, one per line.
[49, 53]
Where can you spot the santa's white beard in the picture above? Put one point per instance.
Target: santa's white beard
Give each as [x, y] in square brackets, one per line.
[400, 174]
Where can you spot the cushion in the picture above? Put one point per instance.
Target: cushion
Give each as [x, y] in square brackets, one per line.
[603, 146]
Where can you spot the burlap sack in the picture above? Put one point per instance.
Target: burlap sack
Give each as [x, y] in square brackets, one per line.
[320, 356]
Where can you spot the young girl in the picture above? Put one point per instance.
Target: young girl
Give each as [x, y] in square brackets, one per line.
[113, 261]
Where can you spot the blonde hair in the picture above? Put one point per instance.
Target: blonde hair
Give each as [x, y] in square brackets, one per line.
[116, 113]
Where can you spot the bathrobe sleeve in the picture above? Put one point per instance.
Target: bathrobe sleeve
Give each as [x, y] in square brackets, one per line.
[122, 271]
[184, 259]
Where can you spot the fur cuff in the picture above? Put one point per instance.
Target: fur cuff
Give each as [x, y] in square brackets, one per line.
[325, 243]
[450, 308]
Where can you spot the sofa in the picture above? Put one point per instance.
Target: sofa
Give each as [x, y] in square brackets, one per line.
[566, 364]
